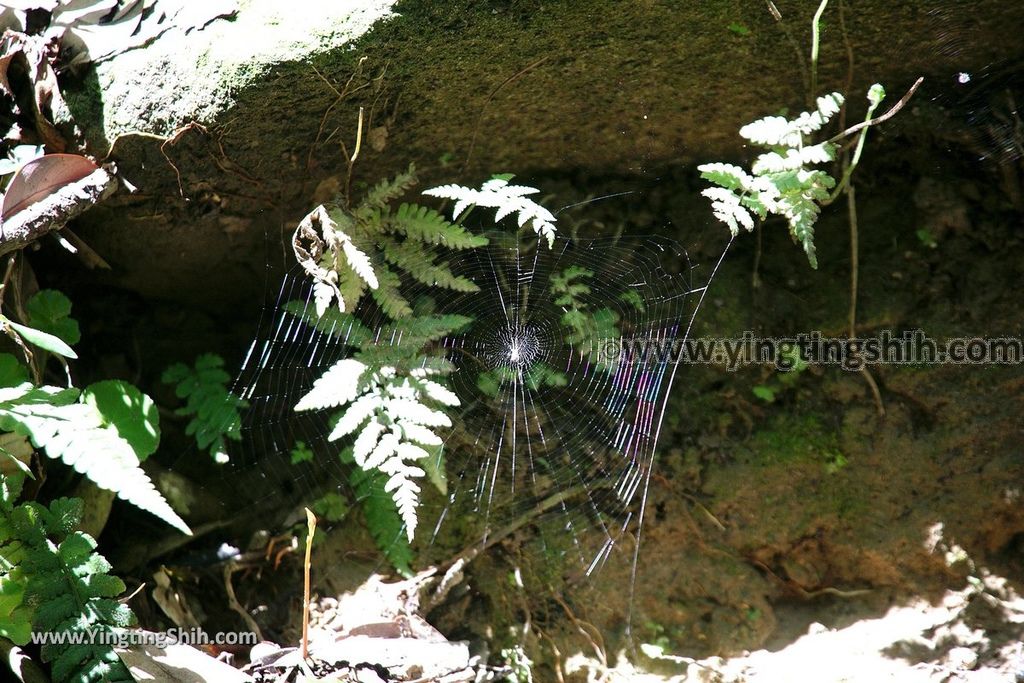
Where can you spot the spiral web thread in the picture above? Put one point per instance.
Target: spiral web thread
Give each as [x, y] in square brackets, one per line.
[544, 423]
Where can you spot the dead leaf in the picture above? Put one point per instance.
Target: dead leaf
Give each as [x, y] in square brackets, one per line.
[42, 177]
[34, 54]
[176, 663]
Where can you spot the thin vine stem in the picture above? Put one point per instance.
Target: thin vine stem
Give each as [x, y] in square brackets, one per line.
[815, 44]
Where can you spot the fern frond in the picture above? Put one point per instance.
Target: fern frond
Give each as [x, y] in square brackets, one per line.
[338, 386]
[801, 212]
[507, 199]
[729, 176]
[75, 434]
[388, 190]
[430, 227]
[727, 208]
[388, 294]
[215, 411]
[356, 414]
[421, 329]
[421, 266]
[67, 588]
[382, 518]
[367, 440]
[776, 131]
[342, 326]
[437, 392]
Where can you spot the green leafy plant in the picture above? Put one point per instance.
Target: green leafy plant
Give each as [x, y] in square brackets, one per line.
[782, 180]
[347, 251]
[53, 582]
[87, 432]
[390, 401]
[215, 411]
[381, 514]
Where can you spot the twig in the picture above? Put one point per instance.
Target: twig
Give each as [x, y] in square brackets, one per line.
[851, 205]
[875, 393]
[233, 603]
[755, 280]
[884, 117]
[339, 96]
[86, 253]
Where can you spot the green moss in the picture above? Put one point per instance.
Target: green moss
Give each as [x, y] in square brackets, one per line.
[797, 438]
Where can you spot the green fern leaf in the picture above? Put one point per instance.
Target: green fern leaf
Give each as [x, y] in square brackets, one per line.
[68, 590]
[802, 212]
[381, 515]
[388, 294]
[388, 190]
[726, 175]
[215, 411]
[420, 265]
[75, 433]
[430, 227]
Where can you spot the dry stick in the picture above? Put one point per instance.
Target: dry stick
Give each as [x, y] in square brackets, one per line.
[229, 569]
[311, 526]
[884, 117]
[480, 116]
[851, 205]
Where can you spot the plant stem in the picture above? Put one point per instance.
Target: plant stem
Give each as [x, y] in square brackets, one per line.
[815, 42]
[848, 169]
[851, 205]
[755, 280]
[884, 117]
[352, 159]
[311, 528]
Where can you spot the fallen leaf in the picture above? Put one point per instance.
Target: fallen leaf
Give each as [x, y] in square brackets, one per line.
[42, 177]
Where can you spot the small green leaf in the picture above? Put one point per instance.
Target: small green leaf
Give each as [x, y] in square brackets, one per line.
[738, 28]
[131, 414]
[49, 311]
[301, 453]
[12, 372]
[331, 506]
[765, 393]
[43, 340]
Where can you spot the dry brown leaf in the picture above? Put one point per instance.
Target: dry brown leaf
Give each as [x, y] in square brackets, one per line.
[42, 177]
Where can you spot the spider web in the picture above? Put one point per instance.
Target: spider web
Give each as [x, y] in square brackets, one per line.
[554, 421]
